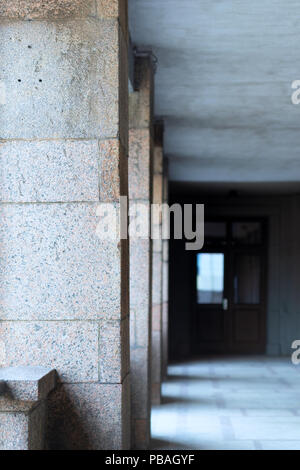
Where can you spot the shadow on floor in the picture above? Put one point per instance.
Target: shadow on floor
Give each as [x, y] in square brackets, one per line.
[229, 404]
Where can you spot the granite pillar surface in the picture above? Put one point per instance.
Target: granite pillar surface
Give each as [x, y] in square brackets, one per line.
[140, 181]
[165, 282]
[63, 152]
[157, 268]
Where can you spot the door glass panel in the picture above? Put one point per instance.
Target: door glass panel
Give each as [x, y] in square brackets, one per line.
[210, 278]
[247, 279]
[247, 233]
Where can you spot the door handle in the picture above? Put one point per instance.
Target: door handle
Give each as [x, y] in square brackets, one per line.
[225, 304]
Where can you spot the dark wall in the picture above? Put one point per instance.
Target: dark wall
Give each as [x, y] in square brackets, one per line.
[282, 213]
[180, 300]
[181, 289]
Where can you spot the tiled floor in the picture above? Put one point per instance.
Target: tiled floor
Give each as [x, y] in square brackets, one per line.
[229, 403]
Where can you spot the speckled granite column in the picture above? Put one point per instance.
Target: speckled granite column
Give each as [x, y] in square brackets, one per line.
[165, 281]
[156, 347]
[140, 180]
[63, 150]
[23, 407]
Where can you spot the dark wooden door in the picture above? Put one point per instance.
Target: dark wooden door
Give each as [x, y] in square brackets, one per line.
[229, 312]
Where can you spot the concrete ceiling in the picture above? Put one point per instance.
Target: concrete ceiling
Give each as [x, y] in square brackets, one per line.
[223, 86]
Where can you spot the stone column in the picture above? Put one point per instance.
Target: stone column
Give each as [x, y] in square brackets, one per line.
[63, 151]
[165, 282]
[157, 269]
[140, 181]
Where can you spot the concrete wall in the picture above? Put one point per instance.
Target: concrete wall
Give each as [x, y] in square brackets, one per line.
[285, 320]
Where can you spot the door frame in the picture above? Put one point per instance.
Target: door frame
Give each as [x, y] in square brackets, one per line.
[230, 249]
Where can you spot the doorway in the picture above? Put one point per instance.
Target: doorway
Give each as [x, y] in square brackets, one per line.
[229, 295]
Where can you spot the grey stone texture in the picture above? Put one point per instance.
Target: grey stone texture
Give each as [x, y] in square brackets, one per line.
[165, 281]
[70, 347]
[28, 382]
[139, 358]
[22, 424]
[142, 100]
[165, 338]
[23, 407]
[33, 9]
[157, 278]
[47, 9]
[49, 171]
[89, 416]
[54, 266]
[114, 350]
[156, 364]
[139, 167]
[63, 150]
[140, 257]
[70, 65]
[113, 170]
[140, 188]
[157, 271]
[139, 388]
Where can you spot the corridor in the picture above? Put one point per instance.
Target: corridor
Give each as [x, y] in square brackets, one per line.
[149, 215]
[229, 404]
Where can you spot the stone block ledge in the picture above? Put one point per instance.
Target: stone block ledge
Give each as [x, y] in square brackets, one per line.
[9, 405]
[27, 383]
[22, 424]
[23, 394]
